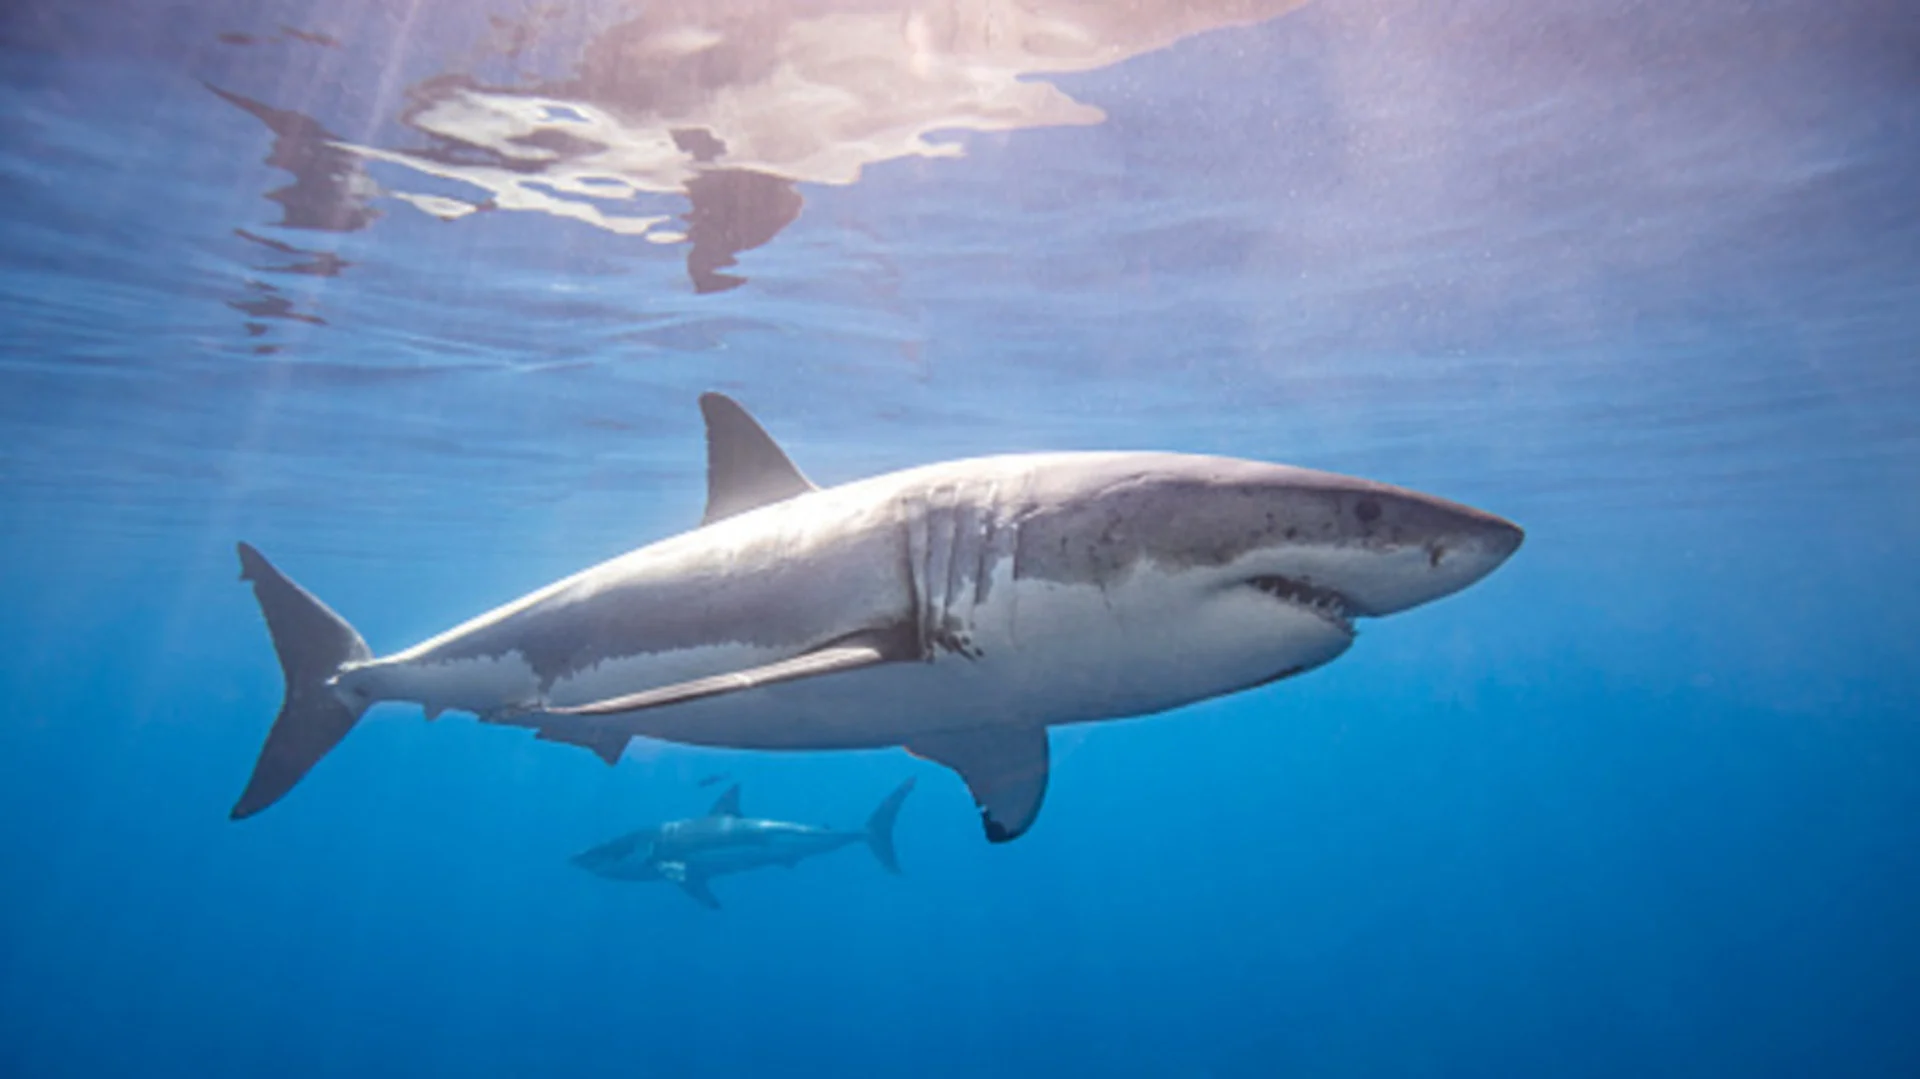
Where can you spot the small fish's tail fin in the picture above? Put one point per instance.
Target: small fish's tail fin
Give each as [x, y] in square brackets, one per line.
[313, 644]
[880, 827]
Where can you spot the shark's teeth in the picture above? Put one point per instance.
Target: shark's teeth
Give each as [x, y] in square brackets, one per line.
[1325, 602]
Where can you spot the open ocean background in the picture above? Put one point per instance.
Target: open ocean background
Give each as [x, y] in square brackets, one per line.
[1642, 277]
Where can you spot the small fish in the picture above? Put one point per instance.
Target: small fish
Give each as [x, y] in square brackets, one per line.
[692, 852]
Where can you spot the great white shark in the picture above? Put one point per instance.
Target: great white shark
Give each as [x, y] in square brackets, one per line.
[692, 852]
[956, 609]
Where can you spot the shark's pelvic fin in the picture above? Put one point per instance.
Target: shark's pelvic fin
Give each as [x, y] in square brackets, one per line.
[1004, 767]
[746, 469]
[728, 804]
[851, 654]
[313, 644]
[606, 744]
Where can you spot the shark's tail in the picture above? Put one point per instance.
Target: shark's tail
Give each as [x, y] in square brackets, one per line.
[880, 826]
[313, 644]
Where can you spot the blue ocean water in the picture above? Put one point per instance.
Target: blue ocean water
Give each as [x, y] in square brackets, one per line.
[418, 299]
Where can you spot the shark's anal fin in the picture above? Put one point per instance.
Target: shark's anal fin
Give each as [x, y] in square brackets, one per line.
[746, 469]
[849, 655]
[1004, 767]
[728, 804]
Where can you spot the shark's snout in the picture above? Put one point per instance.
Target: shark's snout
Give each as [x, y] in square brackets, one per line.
[1442, 548]
[1491, 537]
[1505, 537]
[1486, 536]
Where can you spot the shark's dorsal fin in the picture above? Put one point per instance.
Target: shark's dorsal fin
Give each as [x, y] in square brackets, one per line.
[851, 653]
[1004, 767]
[746, 469]
[728, 804]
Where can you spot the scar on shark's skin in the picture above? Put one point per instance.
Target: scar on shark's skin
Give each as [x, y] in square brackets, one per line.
[957, 610]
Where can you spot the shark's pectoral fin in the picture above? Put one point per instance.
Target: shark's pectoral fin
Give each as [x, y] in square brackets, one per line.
[850, 654]
[1004, 767]
[693, 884]
[606, 744]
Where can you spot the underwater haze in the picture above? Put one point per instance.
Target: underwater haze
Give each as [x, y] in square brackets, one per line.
[419, 299]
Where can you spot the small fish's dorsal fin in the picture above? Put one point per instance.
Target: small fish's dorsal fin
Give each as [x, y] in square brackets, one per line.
[728, 804]
[746, 469]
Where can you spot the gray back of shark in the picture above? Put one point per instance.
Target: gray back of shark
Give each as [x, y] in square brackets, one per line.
[957, 609]
[692, 852]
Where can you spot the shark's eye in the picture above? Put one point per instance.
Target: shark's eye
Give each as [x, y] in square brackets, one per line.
[1367, 510]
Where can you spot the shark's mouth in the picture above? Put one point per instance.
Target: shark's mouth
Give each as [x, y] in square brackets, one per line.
[1335, 608]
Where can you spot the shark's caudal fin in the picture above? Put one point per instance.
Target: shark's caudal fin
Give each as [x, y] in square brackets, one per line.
[880, 827]
[313, 644]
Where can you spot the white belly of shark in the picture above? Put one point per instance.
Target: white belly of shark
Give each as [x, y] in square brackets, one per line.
[957, 610]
